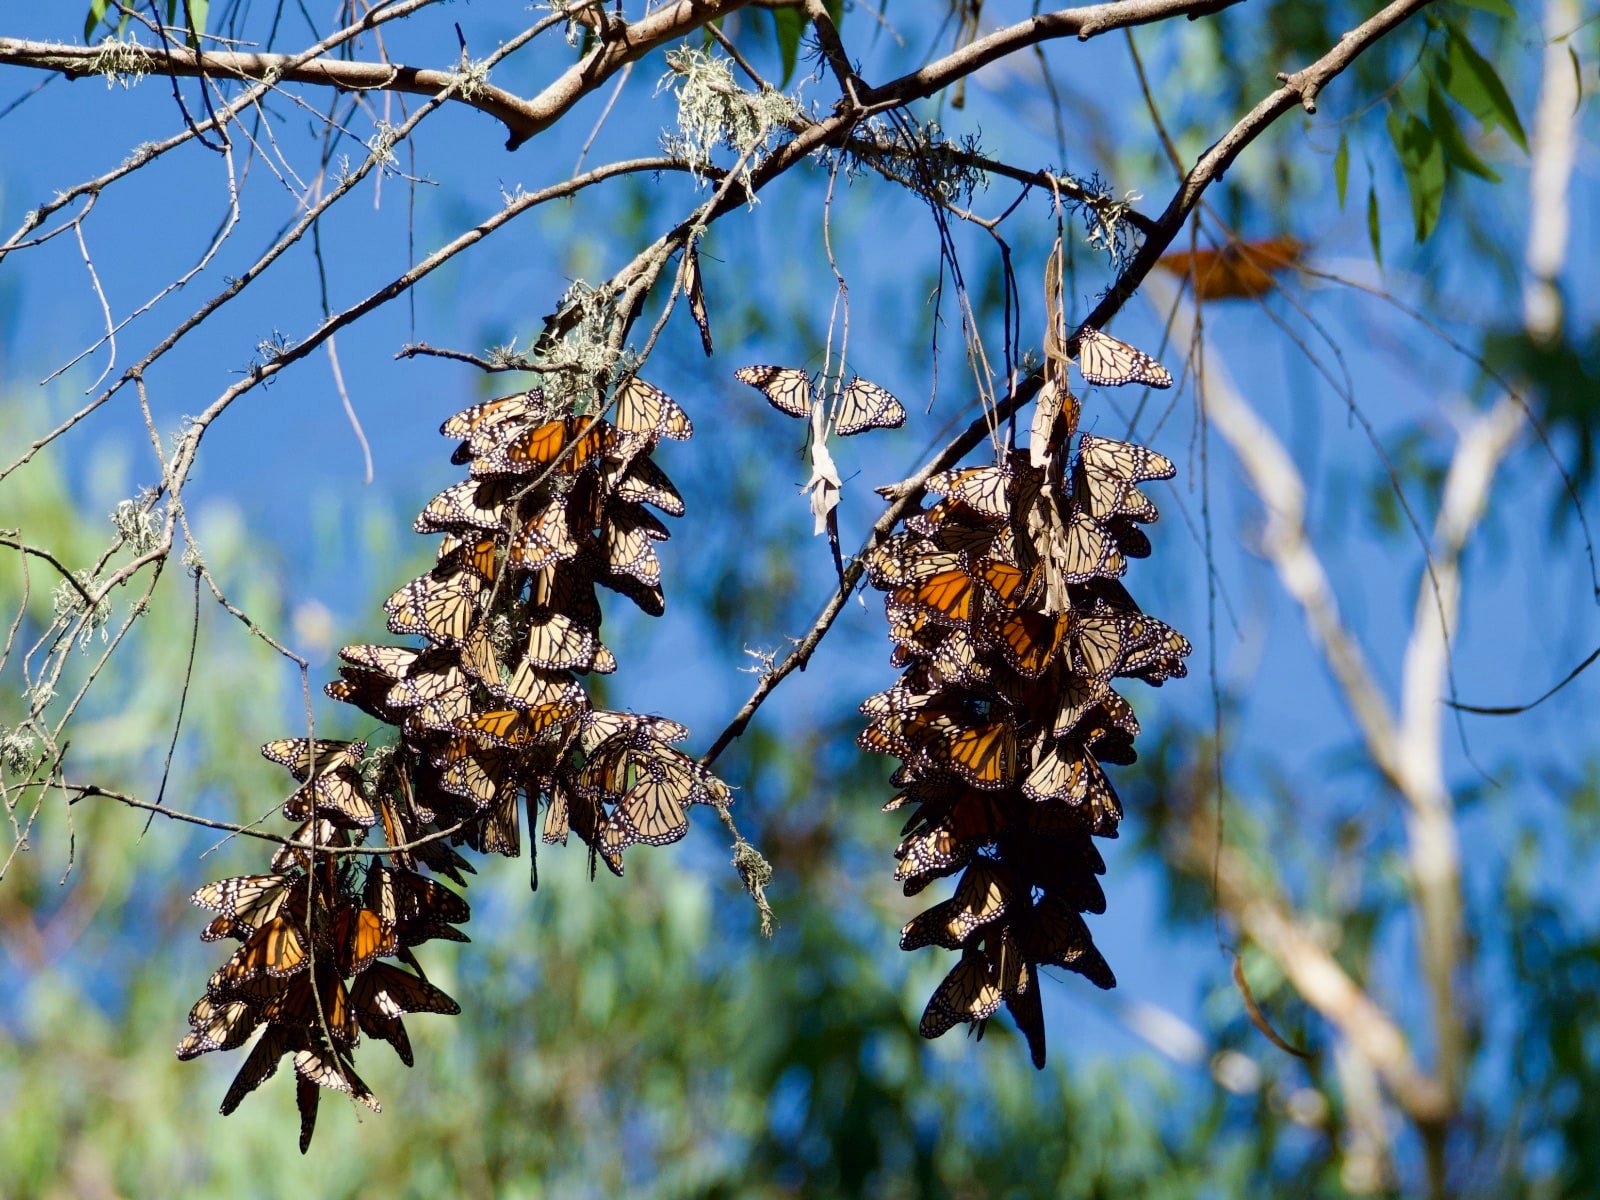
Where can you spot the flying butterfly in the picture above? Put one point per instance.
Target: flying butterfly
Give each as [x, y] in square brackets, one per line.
[1104, 359]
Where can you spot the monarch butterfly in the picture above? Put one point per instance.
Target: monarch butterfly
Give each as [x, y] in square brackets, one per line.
[946, 597]
[319, 832]
[627, 542]
[694, 292]
[245, 902]
[901, 559]
[367, 690]
[470, 504]
[640, 481]
[982, 897]
[1236, 270]
[1111, 469]
[568, 445]
[515, 727]
[382, 994]
[645, 414]
[1054, 399]
[393, 661]
[423, 909]
[1130, 540]
[956, 661]
[1027, 640]
[477, 773]
[1104, 359]
[262, 1062]
[274, 952]
[985, 755]
[302, 755]
[649, 598]
[498, 829]
[982, 489]
[787, 389]
[1054, 850]
[441, 610]
[1159, 653]
[864, 406]
[944, 847]
[1008, 583]
[1063, 774]
[534, 687]
[1053, 933]
[1084, 550]
[595, 828]
[567, 587]
[601, 725]
[298, 1005]
[556, 643]
[217, 1025]
[436, 688]
[1081, 694]
[361, 936]
[1025, 1009]
[544, 539]
[339, 794]
[493, 412]
[954, 526]
[317, 1067]
[475, 554]
[970, 992]
[652, 811]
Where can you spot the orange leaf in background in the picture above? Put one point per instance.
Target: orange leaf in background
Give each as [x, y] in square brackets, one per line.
[1239, 269]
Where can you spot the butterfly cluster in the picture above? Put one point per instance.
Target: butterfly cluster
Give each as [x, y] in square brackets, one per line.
[1008, 618]
[491, 715]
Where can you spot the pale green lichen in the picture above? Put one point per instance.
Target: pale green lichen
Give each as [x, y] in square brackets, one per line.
[69, 603]
[714, 112]
[138, 522]
[120, 62]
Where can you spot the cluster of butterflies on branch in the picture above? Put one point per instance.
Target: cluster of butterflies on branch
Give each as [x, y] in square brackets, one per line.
[491, 714]
[1007, 616]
